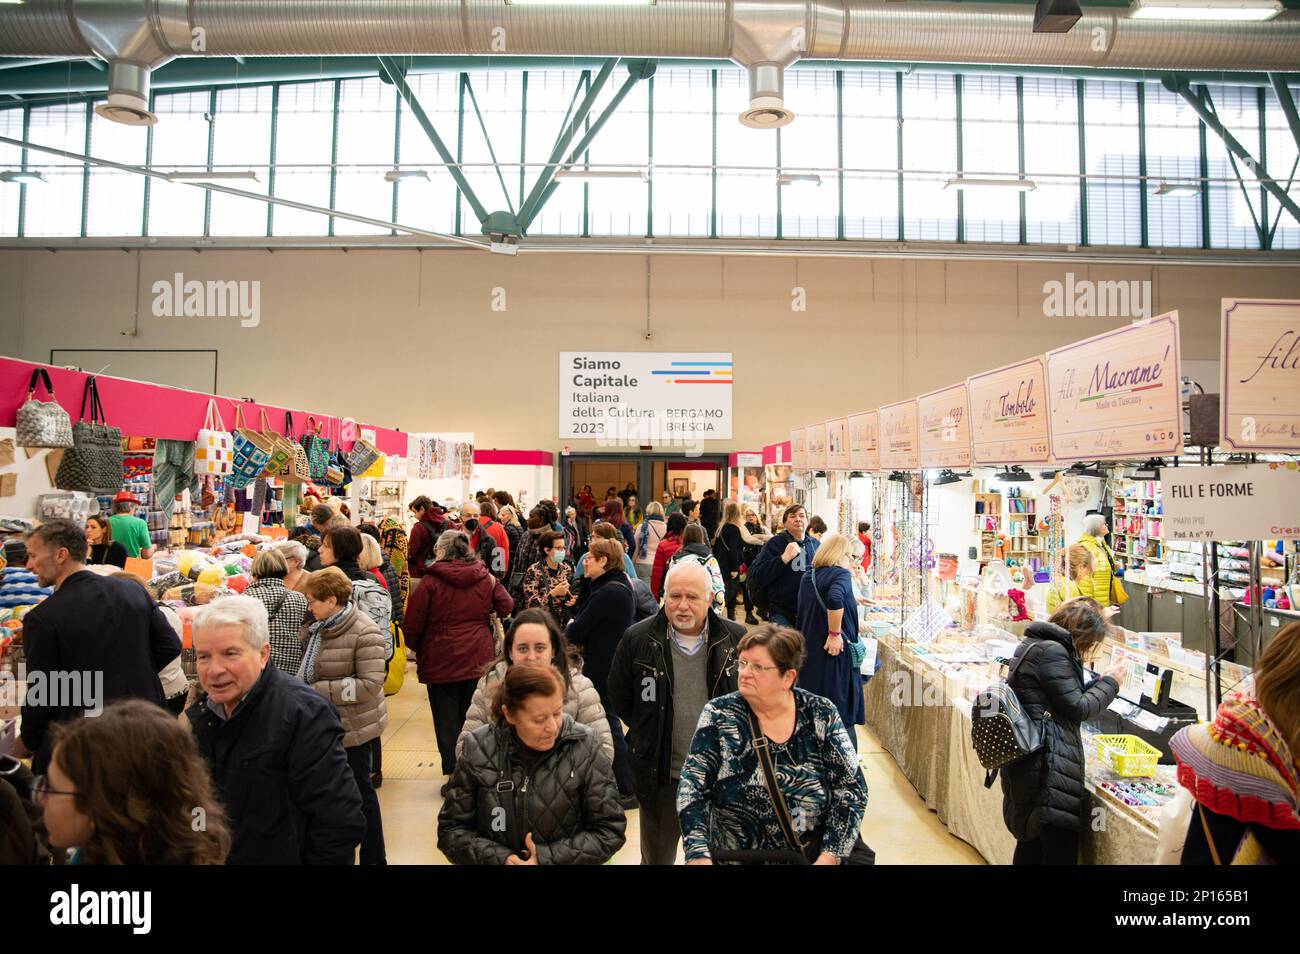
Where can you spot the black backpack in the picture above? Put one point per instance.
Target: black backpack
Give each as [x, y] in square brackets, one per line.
[758, 594]
[1001, 732]
[487, 550]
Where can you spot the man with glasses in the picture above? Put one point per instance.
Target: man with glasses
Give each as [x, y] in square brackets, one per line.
[670, 503]
[665, 670]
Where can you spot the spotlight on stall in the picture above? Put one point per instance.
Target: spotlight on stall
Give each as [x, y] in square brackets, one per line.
[1086, 470]
[1014, 475]
[946, 477]
[1149, 470]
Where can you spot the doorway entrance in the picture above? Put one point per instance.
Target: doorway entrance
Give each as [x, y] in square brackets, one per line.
[650, 475]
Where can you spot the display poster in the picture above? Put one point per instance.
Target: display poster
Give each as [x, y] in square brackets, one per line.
[1135, 671]
[633, 398]
[1009, 419]
[864, 441]
[815, 446]
[837, 444]
[799, 449]
[1259, 395]
[944, 421]
[749, 460]
[898, 440]
[1117, 395]
[1232, 502]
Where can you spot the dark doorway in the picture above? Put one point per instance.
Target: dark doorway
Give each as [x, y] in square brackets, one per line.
[651, 474]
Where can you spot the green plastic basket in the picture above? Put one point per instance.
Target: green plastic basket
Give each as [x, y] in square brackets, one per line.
[1127, 755]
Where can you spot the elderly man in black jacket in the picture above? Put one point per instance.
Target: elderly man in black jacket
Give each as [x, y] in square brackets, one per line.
[94, 640]
[665, 670]
[274, 745]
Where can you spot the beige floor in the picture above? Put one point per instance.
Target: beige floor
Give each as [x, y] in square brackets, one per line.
[897, 824]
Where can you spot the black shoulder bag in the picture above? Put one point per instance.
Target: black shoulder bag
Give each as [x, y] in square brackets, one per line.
[506, 795]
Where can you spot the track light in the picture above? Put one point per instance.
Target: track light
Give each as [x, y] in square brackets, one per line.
[22, 177]
[1013, 475]
[1149, 470]
[946, 477]
[1081, 469]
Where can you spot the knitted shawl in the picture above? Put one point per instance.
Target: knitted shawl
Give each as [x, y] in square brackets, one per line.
[1240, 766]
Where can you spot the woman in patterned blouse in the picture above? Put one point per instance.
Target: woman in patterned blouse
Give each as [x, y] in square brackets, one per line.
[723, 800]
[546, 582]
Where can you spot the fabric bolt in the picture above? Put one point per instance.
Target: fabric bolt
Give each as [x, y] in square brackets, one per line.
[724, 803]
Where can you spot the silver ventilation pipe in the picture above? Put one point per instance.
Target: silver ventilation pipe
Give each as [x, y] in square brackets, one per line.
[134, 37]
[765, 36]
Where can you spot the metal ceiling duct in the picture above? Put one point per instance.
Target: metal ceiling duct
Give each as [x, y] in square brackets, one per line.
[765, 36]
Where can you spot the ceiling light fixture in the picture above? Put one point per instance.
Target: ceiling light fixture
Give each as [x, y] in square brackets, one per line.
[968, 182]
[603, 174]
[22, 176]
[209, 175]
[1177, 189]
[793, 178]
[1220, 10]
[400, 175]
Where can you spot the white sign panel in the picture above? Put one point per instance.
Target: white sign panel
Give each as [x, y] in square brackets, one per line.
[634, 398]
[1259, 396]
[837, 443]
[1235, 502]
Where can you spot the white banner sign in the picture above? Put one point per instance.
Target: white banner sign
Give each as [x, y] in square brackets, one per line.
[1259, 397]
[815, 444]
[799, 449]
[1117, 395]
[944, 439]
[837, 443]
[1246, 502]
[635, 398]
[864, 440]
[1009, 414]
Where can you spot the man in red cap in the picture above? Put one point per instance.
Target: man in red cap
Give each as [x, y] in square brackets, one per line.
[128, 529]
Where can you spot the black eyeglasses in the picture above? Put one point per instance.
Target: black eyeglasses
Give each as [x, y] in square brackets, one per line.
[41, 789]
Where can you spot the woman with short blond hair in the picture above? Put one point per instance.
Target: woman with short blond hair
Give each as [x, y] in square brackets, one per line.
[285, 608]
[828, 618]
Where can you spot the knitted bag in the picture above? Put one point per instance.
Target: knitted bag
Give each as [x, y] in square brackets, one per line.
[297, 470]
[93, 464]
[42, 423]
[281, 450]
[212, 448]
[317, 452]
[252, 452]
[362, 456]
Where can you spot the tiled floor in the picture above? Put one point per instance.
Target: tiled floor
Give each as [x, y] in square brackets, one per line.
[897, 824]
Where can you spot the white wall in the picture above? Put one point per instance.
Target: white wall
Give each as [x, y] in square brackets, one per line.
[409, 339]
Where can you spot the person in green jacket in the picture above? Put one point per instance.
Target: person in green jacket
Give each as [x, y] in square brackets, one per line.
[128, 529]
[1103, 559]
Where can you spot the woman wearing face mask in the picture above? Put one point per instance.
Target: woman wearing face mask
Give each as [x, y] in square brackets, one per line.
[546, 582]
[534, 640]
[533, 787]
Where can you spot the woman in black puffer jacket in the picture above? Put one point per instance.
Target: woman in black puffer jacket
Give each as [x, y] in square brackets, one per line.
[1042, 794]
[560, 806]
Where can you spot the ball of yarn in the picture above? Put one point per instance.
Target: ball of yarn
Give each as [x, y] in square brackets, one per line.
[185, 563]
[238, 584]
[232, 569]
[211, 576]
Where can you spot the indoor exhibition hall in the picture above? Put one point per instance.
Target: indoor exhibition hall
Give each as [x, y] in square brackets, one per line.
[650, 433]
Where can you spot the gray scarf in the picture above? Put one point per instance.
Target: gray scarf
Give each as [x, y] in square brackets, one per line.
[307, 668]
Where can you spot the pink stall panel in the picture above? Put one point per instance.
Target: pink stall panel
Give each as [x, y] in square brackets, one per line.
[153, 410]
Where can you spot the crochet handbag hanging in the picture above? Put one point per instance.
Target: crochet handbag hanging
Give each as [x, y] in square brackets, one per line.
[93, 464]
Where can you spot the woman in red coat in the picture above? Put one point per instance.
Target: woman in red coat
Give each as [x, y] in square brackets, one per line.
[670, 544]
[449, 626]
